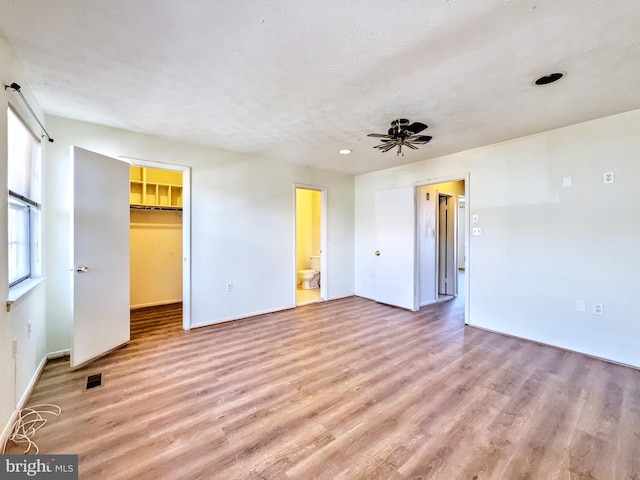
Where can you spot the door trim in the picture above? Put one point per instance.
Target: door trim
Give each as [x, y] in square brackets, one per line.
[186, 229]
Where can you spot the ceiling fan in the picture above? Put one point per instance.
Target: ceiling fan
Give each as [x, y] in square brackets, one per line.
[402, 133]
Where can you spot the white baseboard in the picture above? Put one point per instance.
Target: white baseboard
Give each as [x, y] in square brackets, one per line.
[6, 431]
[341, 297]
[240, 317]
[430, 302]
[155, 304]
[59, 354]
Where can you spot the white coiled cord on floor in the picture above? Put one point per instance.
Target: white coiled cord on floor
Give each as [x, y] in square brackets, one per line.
[29, 421]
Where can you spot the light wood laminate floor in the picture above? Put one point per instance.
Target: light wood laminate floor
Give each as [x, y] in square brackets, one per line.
[347, 389]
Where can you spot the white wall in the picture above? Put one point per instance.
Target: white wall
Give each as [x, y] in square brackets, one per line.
[17, 374]
[542, 246]
[242, 224]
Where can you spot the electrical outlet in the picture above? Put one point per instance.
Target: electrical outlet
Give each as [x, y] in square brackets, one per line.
[581, 306]
[597, 309]
[476, 231]
[229, 287]
[608, 177]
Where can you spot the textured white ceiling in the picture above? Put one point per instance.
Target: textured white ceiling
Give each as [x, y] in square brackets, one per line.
[298, 80]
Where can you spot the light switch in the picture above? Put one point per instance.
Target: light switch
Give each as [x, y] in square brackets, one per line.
[475, 218]
[567, 181]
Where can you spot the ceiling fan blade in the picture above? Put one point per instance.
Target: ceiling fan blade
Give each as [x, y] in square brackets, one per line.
[419, 139]
[416, 127]
[385, 147]
[388, 146]
[407, 144]
[379, 135]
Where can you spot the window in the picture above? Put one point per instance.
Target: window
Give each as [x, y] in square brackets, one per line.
[23, 174]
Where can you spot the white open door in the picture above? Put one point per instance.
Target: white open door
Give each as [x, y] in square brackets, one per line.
[100, 255]
[395, 244]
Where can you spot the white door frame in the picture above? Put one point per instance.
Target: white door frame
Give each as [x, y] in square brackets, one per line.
[186, 229]
[324, 278]
[434, 181]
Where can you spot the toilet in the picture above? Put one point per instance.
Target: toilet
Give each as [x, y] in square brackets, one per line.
[310, 277]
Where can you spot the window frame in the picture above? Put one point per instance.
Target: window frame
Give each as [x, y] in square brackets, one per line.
[33, 208]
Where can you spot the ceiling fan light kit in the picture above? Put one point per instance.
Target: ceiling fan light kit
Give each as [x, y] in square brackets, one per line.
[401, 134]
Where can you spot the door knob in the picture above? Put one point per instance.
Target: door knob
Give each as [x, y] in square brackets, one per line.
[377, 252]
[82, 269]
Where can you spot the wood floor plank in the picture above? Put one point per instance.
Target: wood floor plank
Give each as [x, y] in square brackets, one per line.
[347, 389]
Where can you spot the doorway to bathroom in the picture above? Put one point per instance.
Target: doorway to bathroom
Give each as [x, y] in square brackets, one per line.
[310, 254]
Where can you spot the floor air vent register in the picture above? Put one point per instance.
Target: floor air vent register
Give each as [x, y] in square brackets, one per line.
[94, 381]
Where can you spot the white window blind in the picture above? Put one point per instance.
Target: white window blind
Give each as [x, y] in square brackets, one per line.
[23, 178]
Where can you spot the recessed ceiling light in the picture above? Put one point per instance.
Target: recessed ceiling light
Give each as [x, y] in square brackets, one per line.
[547, 79]
[344, 151]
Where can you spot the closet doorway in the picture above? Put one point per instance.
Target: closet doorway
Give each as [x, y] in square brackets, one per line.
[159, 261]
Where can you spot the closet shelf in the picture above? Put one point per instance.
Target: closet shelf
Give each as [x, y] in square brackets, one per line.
[150, 187]
[134, 206]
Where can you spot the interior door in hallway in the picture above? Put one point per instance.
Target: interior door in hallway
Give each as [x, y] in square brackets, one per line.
[395, 247]
[100, 255]
[447, 268]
